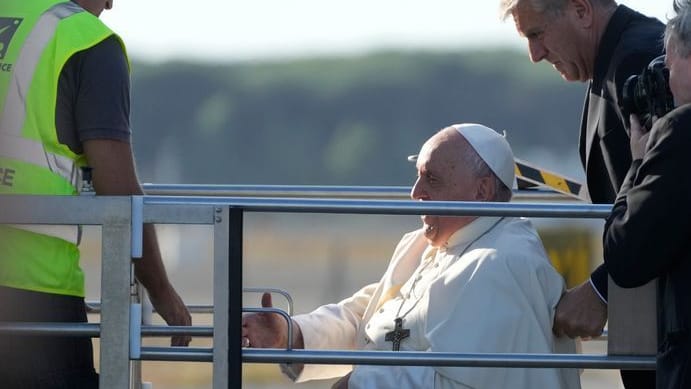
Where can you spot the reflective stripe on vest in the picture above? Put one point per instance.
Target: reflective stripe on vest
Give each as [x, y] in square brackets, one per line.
[12, 144]
[13, 114]
[25, 150]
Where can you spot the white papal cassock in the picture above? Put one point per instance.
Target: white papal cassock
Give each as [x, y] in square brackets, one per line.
[490, 289]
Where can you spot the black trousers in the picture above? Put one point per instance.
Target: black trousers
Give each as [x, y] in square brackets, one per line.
[45, 362]
[638, 379]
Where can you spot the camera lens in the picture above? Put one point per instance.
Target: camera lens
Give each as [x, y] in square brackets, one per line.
[634, 97]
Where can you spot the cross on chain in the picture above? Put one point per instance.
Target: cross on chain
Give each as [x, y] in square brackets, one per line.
[397, 335]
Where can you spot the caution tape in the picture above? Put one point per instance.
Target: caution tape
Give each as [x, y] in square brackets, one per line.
[530, 176]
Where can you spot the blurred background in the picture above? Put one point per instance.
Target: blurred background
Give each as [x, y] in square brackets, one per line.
[312, 92]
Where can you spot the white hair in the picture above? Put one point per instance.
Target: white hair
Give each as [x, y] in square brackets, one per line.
[553, 7]
[679, 28]
[479, 168]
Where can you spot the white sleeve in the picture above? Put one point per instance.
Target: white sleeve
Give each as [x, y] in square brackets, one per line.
[333, 326]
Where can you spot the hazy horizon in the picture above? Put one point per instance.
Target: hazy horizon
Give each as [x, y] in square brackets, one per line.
[221, 31]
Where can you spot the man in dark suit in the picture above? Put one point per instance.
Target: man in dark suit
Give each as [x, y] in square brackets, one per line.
[648, 234]
[598, 42]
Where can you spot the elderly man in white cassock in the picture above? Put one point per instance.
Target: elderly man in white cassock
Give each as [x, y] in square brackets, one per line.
[458, 284]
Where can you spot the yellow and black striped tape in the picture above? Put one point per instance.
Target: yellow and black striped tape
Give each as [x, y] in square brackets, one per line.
[530, 176]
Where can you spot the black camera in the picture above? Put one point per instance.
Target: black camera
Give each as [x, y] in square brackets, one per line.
[648, 94]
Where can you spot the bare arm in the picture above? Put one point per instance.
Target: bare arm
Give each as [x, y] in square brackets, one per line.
[114, 174]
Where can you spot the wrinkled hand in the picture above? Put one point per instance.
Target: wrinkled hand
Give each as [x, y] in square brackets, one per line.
[172, 309]
[638, 139]
[342, 383]
[580, 313]
[264, 330]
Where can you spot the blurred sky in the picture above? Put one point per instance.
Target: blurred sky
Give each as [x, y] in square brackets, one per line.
[231, 30]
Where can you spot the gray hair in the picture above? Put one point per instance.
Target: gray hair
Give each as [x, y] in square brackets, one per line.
[551, 7]
[479, 168]
[679, 28]
[506, 7]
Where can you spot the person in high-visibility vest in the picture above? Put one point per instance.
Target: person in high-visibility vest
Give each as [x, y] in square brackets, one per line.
[64, 104]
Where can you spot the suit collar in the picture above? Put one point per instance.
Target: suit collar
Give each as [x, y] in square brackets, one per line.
[609, 41]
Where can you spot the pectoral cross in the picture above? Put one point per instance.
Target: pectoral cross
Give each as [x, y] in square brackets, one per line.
[397, 335]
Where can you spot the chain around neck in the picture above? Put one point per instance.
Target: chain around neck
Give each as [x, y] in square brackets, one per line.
[421, 269]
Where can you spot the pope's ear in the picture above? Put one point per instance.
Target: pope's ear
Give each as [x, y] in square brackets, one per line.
[485, 189]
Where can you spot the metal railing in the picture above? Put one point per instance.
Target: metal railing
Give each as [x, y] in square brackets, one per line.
[320, 191]
[122, 220]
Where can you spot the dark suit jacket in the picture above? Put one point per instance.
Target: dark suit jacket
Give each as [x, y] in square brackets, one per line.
[648, 236]
[629, 43]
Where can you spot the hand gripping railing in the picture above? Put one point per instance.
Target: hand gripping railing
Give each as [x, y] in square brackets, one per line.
[138, 330]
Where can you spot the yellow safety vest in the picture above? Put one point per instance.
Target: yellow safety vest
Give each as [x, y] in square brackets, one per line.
[37, 37]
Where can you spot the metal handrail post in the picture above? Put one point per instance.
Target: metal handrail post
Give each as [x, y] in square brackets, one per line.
[116, 267]
[235, 239]
[221, 297]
